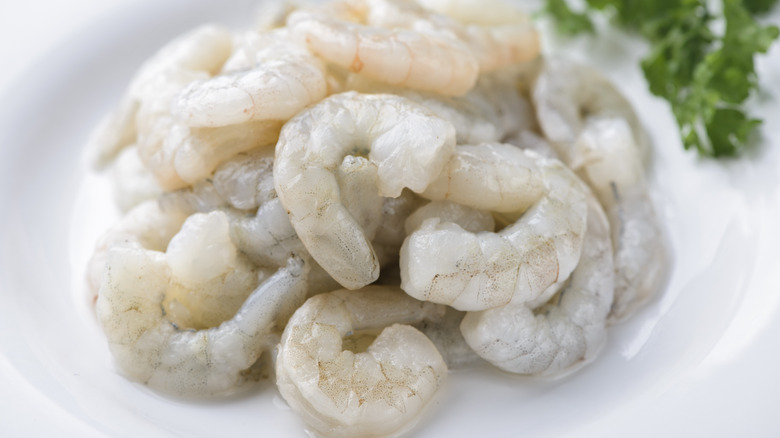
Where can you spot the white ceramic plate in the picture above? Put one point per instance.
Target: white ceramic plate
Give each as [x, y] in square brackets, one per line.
[698, 360]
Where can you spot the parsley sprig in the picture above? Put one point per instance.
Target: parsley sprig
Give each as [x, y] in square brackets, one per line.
[705, 77]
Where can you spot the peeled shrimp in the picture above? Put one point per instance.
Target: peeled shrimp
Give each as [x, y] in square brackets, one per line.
[246, 180]
[444, 263]
[150, 225]
[407, 143]
[196, 152]
[196, 55]
[568, 95]
[490, 112]
[210, 278]
[279, 79]
[423, 58]
[391, 233]
[496, 32]
[132, 182]
[604, 148]
[349, 372]
[569, 329]
[612, 167]
[149, 348]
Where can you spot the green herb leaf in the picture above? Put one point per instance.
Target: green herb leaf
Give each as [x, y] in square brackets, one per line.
[704, 77]
[759, 6]
[567, 21]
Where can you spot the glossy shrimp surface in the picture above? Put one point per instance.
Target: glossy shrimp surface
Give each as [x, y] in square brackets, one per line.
[396, 135]
[444, 263]
[170, 321]
[351, 365]
[419, 55]
[561, 333]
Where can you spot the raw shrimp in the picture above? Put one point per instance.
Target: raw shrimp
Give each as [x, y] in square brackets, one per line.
[489, 112]
[468, 218]
[445, 334]
[280, 78]
[269, 238]
[246, 180]
[603, 146]
[498, 34]
[196, 152]
[349, 372]
[210, 278]
[195, 55]
[568, 329]
[149, 348]
[266, 237]
[567, 95]
[444, 263]
[424, 58]
[490, 176]
[407, 143]
[149, 225]
[132, 182]
[612, 167]
[391, 233]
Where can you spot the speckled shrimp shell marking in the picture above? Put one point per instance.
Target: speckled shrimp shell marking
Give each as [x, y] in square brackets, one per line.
[444, 263]
[557, 335]
[352, 366]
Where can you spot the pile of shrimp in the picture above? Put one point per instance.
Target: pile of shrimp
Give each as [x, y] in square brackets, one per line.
[356, 196]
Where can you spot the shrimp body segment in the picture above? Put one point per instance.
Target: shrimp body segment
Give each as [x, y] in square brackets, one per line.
[423, 59]
[397, 136]
[149, 225]
[498, 34]
[283, 78]
[150, 348]
[606, 147]
[444, 263]
[197, 54]
[567, 95]
[343, 389]
[568, 329]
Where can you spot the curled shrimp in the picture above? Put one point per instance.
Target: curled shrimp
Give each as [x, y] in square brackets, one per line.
[398, 137]
[569, 329]
[349, 372]
[148, 347]
[280, 78]
[568, 95]
[424, 58]
[194, 55]
[444, 263]
[604, 147]
[498, 34]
